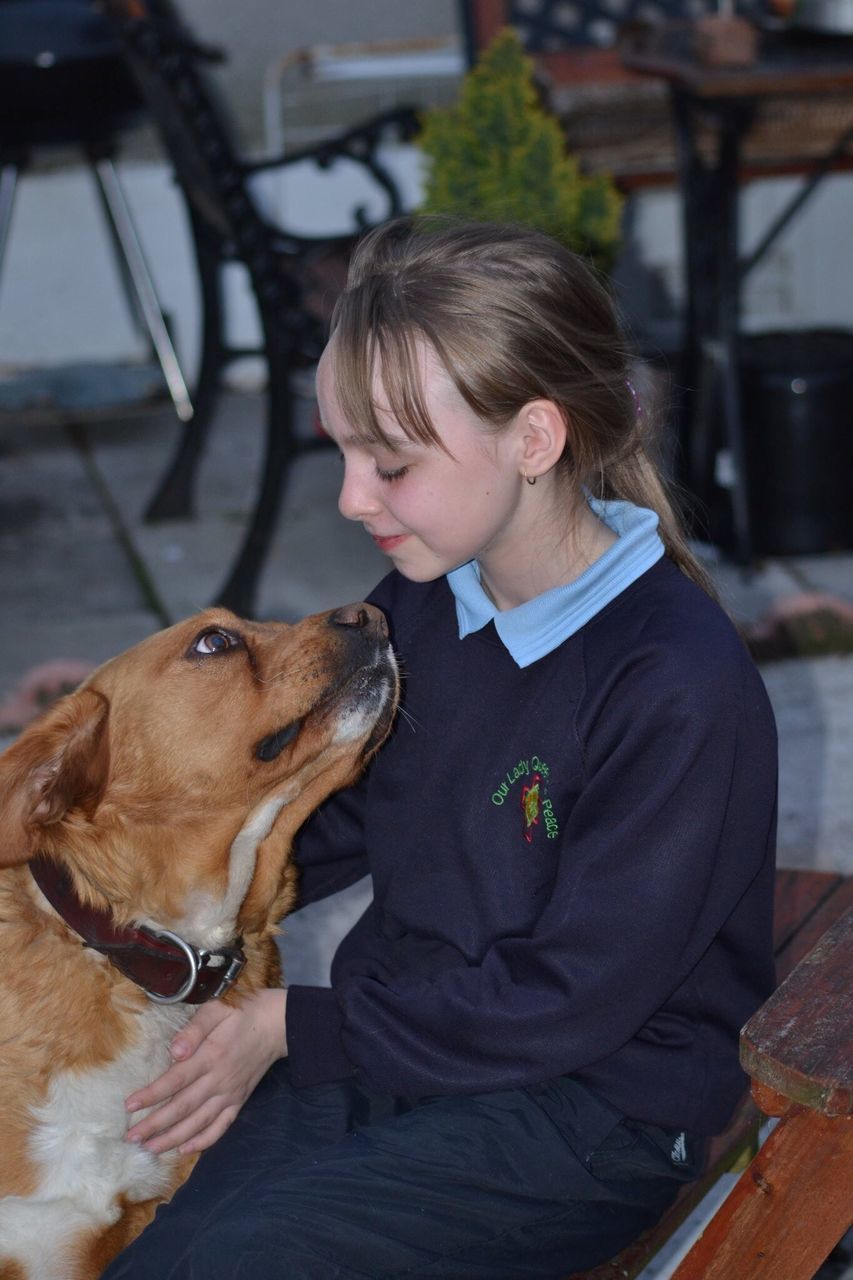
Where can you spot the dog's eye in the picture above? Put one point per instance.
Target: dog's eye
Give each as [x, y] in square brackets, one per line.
[215, 641]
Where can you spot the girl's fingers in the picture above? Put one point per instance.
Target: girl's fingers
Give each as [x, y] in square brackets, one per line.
[164, 1087]
[212, 1133]
[186, 1089]
[225, 1051]
[189, 1127]
[171, 1113]
[183, 1049]
[194, 1034]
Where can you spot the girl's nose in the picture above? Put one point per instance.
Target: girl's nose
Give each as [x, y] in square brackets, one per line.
[357, 500]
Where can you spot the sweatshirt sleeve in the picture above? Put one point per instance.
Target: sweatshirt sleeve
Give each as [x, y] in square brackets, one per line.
[329, 849]
[672, 824]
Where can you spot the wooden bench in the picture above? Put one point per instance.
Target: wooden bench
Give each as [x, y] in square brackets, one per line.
[793, 1202]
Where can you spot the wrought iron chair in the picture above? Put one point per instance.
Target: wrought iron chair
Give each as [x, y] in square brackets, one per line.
[293, 277]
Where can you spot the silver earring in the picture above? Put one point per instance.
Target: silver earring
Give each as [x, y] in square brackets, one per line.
[529, 479]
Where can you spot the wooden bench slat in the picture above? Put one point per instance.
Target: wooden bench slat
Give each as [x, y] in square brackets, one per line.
[837, 899]
[787, 1211]
[799, 1042]
[798, 896]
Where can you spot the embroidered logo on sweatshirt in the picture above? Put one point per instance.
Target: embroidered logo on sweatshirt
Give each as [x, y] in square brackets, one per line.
[536, 807]
[531, 807]
[678, 1155]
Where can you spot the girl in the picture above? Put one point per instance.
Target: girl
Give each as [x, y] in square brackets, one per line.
[571, 831]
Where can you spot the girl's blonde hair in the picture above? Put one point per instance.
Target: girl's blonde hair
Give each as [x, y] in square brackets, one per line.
[513, 316]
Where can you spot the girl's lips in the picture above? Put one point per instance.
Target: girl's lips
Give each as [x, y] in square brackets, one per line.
[388, 544]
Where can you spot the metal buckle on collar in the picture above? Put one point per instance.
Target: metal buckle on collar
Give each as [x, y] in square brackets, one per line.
[193, 959]
[199, 967]
[236, 965]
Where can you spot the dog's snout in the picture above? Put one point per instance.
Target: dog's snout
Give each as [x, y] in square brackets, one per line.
[361, 617]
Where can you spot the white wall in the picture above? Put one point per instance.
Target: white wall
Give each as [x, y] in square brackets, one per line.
[805, 279]
[252, 31]
[60, 300]
[59, 295]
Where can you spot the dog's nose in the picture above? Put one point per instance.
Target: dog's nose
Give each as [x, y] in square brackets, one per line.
[361, 617]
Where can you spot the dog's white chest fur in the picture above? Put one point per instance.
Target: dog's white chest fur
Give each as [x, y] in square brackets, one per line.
[78, 1141]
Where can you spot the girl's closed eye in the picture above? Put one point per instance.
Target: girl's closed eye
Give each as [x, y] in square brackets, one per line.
[390, 476]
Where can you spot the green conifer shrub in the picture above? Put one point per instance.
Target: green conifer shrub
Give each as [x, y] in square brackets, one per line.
[498, 155]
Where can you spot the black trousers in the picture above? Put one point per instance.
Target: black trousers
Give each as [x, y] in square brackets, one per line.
[338, 1181]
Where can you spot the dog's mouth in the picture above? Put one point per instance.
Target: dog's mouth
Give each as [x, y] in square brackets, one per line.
[367, 703]
[361, 701]
[271, 747]
[386, 690]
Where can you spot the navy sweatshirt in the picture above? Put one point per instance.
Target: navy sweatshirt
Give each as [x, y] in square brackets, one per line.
[572, 863]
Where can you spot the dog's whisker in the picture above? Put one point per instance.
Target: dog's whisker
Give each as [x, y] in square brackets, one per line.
[410, 719]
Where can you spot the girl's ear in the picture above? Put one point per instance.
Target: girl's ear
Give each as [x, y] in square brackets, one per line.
[543, 432]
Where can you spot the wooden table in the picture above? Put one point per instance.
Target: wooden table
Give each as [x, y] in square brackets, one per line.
[713, 110]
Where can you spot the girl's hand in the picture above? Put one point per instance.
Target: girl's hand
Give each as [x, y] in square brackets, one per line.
[218, 1058]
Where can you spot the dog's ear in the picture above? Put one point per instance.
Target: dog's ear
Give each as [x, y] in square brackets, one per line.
[58, 763]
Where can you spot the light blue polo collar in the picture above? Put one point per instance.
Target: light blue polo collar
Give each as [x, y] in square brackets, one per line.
[535, 628]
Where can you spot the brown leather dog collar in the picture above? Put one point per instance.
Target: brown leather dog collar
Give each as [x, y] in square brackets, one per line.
[167, 968]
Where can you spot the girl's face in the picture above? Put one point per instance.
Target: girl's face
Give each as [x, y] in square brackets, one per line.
[427, 509]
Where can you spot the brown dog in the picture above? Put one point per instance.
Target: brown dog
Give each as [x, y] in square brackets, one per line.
[147, 822]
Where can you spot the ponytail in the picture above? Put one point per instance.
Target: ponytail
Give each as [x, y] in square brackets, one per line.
[637, 478]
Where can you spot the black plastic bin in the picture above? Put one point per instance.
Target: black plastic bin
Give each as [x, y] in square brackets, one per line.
[797, 402]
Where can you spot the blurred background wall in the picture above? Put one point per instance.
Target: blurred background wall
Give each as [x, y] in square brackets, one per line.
[60, 301]
[254, 30]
